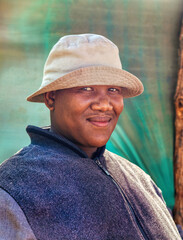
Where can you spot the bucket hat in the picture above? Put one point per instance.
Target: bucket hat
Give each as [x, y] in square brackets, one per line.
[83, 60]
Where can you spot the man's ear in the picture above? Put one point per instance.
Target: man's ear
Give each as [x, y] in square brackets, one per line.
[49, 100]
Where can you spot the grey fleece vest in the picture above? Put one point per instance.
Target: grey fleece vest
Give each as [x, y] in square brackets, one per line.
[66, 196]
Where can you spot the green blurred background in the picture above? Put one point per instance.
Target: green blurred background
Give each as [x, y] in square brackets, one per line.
[146, 32]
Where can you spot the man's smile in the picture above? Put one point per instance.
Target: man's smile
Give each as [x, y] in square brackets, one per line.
[100, 121]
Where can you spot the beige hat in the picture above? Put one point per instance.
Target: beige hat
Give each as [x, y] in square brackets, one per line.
[83, 60]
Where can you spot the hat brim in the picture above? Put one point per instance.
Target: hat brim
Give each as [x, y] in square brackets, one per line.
[93, 75]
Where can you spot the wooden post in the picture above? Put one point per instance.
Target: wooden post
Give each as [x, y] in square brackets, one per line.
[178, 155]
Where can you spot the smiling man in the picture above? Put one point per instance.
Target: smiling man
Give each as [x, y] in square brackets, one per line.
[65, 185]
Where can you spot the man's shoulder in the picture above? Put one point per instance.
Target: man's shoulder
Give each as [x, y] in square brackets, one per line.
[116, 157]
[25, 154]
[125, 164]
[130, 173]
[19, 154]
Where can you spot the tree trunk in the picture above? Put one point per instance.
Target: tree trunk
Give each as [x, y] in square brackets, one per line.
[178, 155]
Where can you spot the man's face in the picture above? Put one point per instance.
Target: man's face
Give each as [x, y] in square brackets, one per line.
[86, 115]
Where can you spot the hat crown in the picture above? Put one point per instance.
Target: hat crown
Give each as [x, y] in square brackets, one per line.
[77, 51]
[88, 38]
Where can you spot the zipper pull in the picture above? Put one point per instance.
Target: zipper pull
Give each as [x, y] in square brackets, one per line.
[102, 167]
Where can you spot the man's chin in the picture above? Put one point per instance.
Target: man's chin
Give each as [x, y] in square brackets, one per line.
[99, 143]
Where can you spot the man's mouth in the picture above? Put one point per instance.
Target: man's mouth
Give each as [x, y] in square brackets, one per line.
[100, 121]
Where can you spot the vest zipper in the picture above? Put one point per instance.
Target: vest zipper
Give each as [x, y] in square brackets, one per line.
[122, 194]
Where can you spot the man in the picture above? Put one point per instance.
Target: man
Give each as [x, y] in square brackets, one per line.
[65, 184]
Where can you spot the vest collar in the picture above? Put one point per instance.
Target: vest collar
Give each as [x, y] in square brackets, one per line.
[43, 136]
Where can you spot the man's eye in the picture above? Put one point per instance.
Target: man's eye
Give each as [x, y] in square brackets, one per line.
[87, 89]
[114, 89]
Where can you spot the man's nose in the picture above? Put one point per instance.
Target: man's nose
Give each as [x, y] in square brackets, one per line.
[103, 104]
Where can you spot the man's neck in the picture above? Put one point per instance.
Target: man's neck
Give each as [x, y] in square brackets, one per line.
[89, 151]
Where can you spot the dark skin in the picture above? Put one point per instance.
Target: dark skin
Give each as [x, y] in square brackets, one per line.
[85, 115]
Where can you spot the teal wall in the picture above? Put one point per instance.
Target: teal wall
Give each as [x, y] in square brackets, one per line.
[146, 32]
